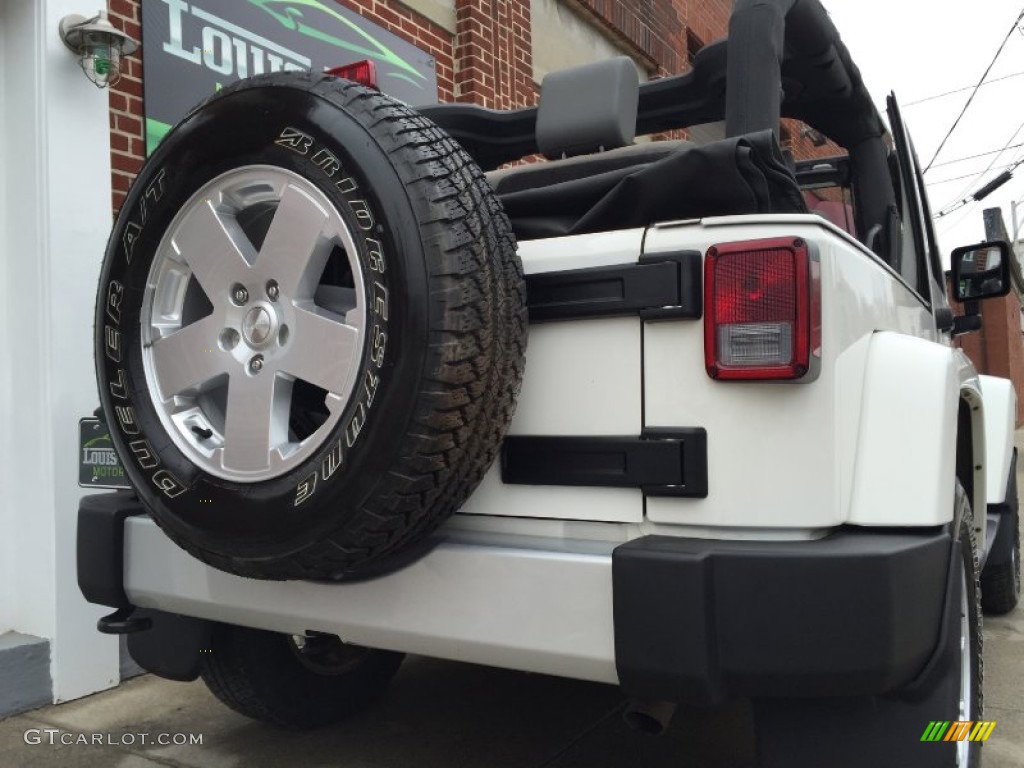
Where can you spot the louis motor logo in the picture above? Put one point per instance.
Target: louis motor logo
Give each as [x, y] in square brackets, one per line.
[226, 48]
[192, 48]
[98, 464]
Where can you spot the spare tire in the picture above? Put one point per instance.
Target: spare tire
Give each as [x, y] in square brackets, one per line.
[311, 328]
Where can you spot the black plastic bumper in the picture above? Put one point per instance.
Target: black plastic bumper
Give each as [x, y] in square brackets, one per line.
[165, 644]
[100, 546]
[856, 613]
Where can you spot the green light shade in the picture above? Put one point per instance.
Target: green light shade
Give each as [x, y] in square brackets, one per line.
[101, 61]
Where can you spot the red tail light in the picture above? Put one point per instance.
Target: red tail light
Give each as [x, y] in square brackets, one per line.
[362, 72]
[762, 304]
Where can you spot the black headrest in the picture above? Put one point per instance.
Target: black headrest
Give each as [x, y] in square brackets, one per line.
[588, 108]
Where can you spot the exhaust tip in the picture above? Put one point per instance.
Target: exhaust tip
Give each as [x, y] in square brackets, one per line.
[652, 718]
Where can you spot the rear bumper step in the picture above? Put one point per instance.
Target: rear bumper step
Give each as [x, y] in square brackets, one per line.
[462, 601]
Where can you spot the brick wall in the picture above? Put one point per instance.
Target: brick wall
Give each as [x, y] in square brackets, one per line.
[658, 29]
[707, 19]
[1001, 334]
[793, 139]
[127, 131]
[493, 53]
[997, 349]
[652, 28]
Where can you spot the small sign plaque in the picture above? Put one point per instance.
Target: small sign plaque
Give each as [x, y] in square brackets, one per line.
[98, 465]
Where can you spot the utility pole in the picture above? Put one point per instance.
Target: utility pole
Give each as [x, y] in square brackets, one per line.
[995, 228]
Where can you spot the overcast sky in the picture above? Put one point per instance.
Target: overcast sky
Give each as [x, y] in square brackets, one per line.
[920, 49]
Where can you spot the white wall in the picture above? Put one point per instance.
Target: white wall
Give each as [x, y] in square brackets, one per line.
[28, 487]
[7, 548]
[57, 203]
[563, 38]
[441, 12]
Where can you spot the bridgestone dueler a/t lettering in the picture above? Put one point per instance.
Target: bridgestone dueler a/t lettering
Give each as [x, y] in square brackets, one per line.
[310, 329]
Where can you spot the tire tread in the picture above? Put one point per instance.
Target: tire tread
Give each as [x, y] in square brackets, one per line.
[474, 362]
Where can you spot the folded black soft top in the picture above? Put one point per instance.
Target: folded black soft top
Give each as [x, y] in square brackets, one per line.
[741, 175]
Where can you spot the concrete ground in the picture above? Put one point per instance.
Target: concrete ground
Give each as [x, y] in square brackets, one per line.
[440, 714]
[445, 715]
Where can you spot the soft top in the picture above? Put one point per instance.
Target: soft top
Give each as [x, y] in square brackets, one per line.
[740, 175]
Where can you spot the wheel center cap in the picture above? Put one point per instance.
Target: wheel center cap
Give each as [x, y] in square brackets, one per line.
[257, 326]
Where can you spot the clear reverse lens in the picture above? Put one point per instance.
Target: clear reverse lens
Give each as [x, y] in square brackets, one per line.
[755, 344]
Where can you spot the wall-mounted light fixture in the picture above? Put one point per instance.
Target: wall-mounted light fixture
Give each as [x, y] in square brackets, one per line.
[817, 138]
[99, 46]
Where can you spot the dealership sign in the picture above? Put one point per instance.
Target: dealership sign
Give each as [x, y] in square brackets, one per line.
[98, 465]
[192, 49]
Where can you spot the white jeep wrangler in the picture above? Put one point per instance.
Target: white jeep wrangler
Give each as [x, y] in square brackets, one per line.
[745, 459]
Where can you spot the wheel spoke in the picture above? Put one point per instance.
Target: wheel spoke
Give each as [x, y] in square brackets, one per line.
[256, 421]
[257, 240]
[295, 251]
[322, 350]
[189, 357]
[214, 248]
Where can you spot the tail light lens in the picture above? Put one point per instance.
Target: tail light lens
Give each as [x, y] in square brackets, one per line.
[763, 310]
[362, 72]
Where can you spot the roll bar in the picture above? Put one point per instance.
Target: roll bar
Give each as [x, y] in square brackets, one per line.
[785, 58]
[782, 58]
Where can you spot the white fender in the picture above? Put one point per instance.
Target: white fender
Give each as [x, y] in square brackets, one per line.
[1000, 411]
[906, 442]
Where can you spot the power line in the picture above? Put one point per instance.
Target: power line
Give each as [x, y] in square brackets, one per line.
[971, 157]
[975, 91]
[960, 90]
[956, 202]
[982, 192]
[1013, 214]
[957, 222]
[971, 175]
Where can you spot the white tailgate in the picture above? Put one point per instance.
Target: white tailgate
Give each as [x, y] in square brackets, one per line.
[583, 377]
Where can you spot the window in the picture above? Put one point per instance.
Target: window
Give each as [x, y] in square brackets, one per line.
[918, 253]
[693, 44]
[827, 190]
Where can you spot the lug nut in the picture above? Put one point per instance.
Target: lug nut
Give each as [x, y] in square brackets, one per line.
[272, 290]
[229, 339]
[239, 295]
[256, 364]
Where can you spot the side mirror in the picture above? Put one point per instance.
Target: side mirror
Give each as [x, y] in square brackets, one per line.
[981, 271]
